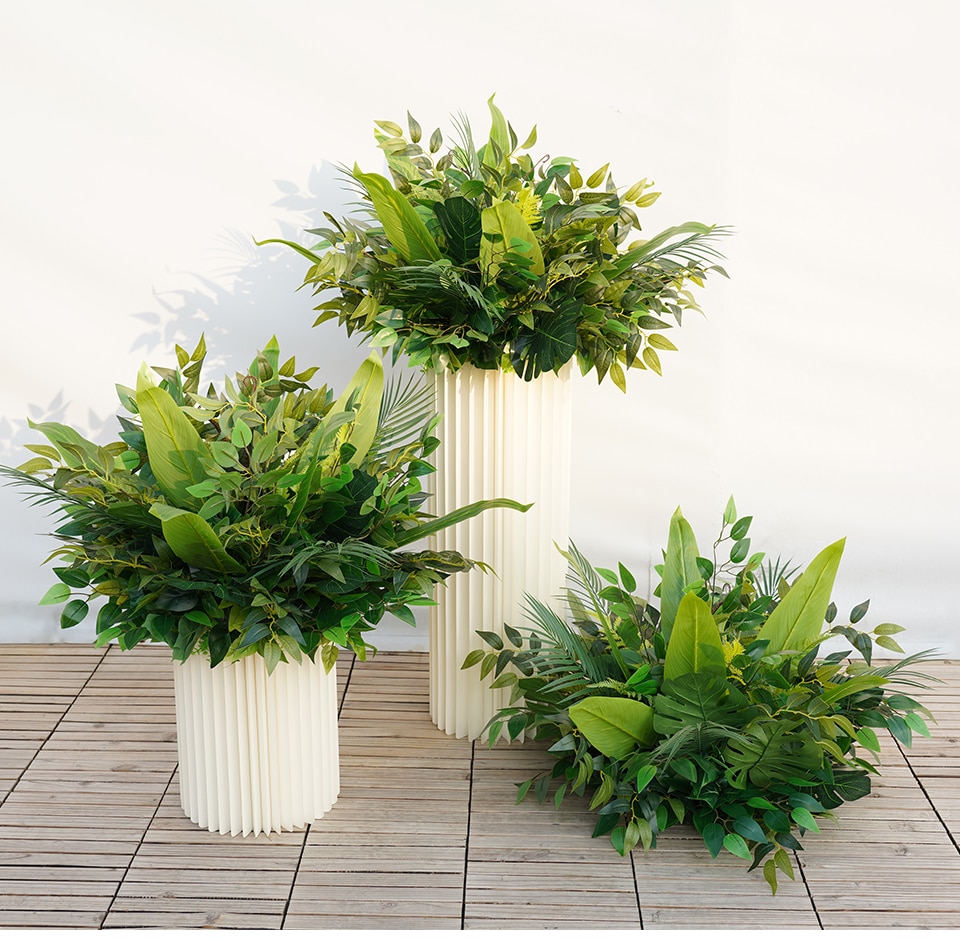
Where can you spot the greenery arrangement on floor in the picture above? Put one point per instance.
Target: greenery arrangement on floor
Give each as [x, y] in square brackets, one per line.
[715, 710]
[265, 518]
[482, 254]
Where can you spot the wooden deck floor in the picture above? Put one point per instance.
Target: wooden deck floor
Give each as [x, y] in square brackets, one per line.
[425, 833]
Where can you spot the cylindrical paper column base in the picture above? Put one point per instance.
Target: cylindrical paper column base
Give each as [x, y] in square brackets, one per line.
[500, 436]
[258, 753]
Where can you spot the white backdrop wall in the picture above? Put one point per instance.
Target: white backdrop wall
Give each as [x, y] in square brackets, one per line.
[147, 144]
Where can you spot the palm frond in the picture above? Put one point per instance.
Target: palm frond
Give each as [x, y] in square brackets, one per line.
[465, 152]
[769, 575]
[694, 739]
[438, 287]
[584, 587]
[899, 675]
[566, 654]
[407, 406]
[696, 249]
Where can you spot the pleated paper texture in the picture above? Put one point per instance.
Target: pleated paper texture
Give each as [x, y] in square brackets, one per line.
[258, 753]
[500, 437]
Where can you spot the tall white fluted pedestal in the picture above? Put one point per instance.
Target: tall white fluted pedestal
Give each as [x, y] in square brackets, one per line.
[501, 437]
[258, 753]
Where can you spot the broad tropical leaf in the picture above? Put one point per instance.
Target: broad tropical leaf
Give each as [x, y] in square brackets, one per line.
[460, 220]
[772, 751]
[546, 348]
[695, 644]
[179, 458]
[405, 229]
[679, 569]
[614, 726]
[502, 223]
[696, 698]
[363, 394]
[193, 540]
[797, 621]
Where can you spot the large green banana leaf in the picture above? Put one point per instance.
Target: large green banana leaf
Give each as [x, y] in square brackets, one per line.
[178, 456]
[501, 224]
[365, 390]
[405, 229]
[679, 569]
[193, 540]
[614, 726]
[695, 644]
[797, 621]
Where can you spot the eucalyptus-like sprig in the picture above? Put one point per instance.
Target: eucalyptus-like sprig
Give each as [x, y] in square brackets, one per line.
[488, 256]
[265, 518]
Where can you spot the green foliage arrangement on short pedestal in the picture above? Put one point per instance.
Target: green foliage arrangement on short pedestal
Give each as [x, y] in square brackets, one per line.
[266, 518]
[717, 710]
[485, 255]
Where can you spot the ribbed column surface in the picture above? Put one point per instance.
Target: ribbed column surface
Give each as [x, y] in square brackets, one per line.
[500, 436]
[257, 753]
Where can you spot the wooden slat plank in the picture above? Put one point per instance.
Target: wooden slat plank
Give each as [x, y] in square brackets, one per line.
[391, 853]
[168, 920]
[34, 919]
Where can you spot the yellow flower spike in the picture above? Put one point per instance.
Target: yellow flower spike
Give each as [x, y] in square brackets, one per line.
[529, 205]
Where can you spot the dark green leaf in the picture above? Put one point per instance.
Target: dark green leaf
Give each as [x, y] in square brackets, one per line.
[459, 219]
[491, 639]
[73, 613]
[740, 528]
[858, 612]
[713, 835]
[749, 828]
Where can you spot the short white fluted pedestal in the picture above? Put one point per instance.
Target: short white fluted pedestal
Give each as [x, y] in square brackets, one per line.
[500, 437]
[258, 753]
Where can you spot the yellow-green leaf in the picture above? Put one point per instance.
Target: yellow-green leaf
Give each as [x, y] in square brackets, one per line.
[660, 342]
[405, 229]
[634, 191]
[652, 360]
[597, 177]
[363, 394]
[178, 456]
[193, 540]
[499, 132]
[796, 622]
[695, 644]
[614, 726]
[501, 224]
[391, 128]
[617, 376]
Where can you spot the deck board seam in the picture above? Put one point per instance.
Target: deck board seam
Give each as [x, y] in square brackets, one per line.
[307, 828]
[144, 832]
[636, 888]
[809, 890]
[466, 847]
[55, 728]
[926, 795]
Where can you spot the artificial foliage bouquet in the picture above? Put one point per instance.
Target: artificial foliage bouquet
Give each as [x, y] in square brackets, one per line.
[716, 710]
[265, 518]
[483, 254]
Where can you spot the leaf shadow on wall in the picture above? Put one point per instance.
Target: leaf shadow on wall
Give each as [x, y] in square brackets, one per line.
[251, 295]
[257, 293]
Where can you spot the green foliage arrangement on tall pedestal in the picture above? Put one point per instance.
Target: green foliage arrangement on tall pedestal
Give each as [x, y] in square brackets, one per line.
[480, 261]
